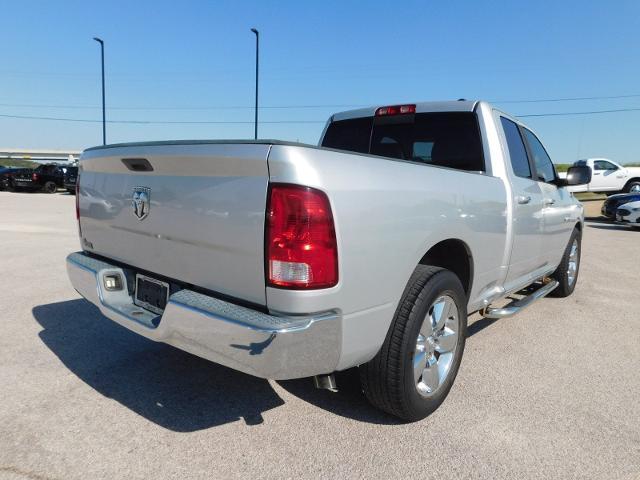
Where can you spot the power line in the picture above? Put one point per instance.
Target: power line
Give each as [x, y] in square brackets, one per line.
[243, 107]
[242, 122]
[218, 107]
[592, 112]
[566, 99]
[155, 122]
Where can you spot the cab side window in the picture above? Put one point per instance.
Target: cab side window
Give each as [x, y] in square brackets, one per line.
[544, 166]
[517, 151]
[603, 165]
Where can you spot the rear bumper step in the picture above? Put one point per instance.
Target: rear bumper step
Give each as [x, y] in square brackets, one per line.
[267, 346]
[519, 305]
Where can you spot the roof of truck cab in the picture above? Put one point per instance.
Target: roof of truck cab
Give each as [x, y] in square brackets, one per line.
[421, 107]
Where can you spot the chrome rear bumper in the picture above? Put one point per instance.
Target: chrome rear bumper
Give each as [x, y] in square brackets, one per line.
[267, 346]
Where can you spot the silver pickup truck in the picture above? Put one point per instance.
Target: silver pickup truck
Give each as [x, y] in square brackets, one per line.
[285, 260]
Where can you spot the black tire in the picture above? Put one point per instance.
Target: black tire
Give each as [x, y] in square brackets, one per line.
[629, 186]
[50, 187]
[565, 286]
[388, 379]
[72, 191]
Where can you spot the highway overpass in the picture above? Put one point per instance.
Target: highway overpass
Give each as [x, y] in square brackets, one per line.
[40, 156]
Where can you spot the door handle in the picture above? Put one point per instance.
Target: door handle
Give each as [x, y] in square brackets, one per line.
[596, 173]
[523, 199]
[549, 201]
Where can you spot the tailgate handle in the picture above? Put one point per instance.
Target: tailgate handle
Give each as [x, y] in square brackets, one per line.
[138, 164]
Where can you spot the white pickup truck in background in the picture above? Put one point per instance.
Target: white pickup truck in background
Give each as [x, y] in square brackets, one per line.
[285, 260]
[608, 177]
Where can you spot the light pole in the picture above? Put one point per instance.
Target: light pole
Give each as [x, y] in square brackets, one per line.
[255, 135]
[104, 117]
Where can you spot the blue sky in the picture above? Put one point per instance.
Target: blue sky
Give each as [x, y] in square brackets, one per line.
[174, 61]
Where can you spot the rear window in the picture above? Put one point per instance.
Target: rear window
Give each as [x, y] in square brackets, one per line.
[352, 135]
[445, 139]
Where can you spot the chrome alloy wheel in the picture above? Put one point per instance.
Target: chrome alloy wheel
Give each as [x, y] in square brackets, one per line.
[572, 267]
[634, 188]
[436, 346]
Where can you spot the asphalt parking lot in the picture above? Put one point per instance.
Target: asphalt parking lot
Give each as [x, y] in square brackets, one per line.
[551, 393]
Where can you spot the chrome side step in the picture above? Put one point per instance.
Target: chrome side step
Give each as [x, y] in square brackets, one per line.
[519, 305]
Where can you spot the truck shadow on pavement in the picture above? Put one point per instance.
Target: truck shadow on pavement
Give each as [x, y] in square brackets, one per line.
[176, 390]
[172, 388]
[348, 402]
[613, 226]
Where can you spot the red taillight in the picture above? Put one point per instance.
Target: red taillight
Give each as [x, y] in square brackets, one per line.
[395, 110]
[34, 177]
[301, 249]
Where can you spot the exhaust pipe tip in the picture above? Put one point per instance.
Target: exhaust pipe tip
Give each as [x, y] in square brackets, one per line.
[326, 382]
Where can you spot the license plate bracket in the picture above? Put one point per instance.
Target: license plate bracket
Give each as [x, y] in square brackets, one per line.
[151, 294]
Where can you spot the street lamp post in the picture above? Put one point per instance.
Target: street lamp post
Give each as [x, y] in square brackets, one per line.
[255, 134]
[104, 117]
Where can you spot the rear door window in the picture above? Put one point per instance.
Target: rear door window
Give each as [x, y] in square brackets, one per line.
[517, 150]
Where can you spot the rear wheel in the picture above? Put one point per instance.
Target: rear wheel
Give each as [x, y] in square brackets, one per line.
[633, 186]
[50, 187]
[413, 372]
[567, 272]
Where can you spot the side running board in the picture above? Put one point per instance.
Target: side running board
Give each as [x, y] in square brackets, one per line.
[519, 305]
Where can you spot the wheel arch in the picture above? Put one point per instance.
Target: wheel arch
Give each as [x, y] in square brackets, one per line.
[454, 255]
[631, 180]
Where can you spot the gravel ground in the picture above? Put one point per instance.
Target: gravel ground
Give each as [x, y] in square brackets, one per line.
[551, 393]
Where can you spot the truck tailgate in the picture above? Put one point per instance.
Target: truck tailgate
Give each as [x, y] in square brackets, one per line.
[204, 220]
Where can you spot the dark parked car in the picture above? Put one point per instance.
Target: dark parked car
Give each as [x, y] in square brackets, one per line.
[47, 178]
[3, 178]
[7, 174]
[614, 201]
[70, 178]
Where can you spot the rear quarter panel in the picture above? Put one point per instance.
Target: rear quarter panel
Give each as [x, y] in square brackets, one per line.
[388, 214]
